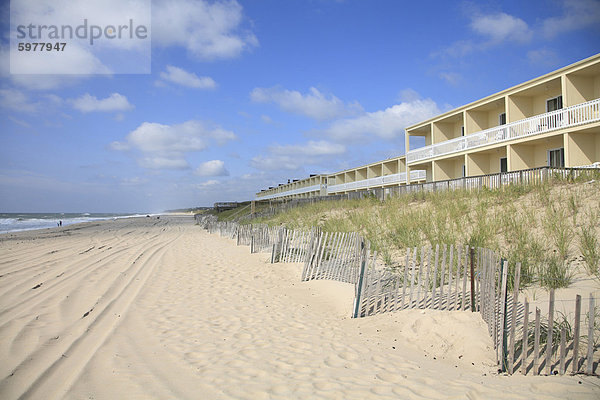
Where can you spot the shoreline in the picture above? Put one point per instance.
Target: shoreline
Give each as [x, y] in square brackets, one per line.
[158, 308]
[83, 223]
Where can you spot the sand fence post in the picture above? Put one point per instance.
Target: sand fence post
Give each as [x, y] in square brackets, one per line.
[435, 274]
[456, 304]
[412, 277]
[536, 343]
[421, 267]
[405, 277]
[472, 255]
[590, 339]
[464, 287]
[549, 334]
[442, 276]
[575, 366]
[504, 328]
[427, 276]
[525, 343]
[450, 261]
[513, 318]
[361, 275]
[563, 334]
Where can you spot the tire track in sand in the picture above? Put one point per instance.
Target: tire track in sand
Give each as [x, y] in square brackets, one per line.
[26, 302]
[64, 359]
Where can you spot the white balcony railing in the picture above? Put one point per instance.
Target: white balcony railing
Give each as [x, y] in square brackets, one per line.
[564, 118]
[377, 181]
[289, 192]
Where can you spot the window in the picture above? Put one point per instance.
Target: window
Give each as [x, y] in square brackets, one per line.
[503, 164]
[462, 130]
[464, 171]
[554, 104]
[556, 158]
[502, 119]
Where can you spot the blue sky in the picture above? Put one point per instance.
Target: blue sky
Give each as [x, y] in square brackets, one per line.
[247, 94]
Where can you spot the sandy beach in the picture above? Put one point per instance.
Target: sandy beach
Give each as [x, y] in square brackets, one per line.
[148, 308]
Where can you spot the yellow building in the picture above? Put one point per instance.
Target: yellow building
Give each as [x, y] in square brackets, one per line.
[553, 120]
[315, 185]
[384, 174]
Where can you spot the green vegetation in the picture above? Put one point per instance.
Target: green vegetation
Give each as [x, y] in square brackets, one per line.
[589, 244]
[546, 227]
[555, 273]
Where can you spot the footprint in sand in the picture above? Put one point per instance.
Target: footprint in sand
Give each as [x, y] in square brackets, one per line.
[348, 356]
[324, 385]
[388, 377]
[249, 353]
[381, 390]
[243, 336]
[334, 362]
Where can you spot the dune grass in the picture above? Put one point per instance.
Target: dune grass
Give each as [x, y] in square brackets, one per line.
[542, 226]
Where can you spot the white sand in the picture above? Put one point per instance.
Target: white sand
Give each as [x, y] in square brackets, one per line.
[173, 312]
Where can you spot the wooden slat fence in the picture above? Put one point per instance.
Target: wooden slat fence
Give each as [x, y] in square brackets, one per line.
[544, 340]
[440, 279]
[260, 237]
[333, 256]
[429, 278]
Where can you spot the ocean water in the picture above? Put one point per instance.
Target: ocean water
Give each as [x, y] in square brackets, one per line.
[12, 222]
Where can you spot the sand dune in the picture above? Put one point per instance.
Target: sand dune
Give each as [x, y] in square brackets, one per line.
[146, 308]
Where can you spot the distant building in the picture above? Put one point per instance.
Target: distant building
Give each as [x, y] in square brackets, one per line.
[381, 174]
[315, 185]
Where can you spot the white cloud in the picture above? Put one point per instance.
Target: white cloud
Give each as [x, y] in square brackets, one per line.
[501, 26]
[114, 102]
[19, 122]
[212, 168]
[159, 162]
[543, 57]
[495, 28]
[135, 181]
[161, 146]
[16, 100]
[207, 184]
[385, 124]
[578, 14]
[314, 104]
[266, 119]
[208, 30]
[451, 77]
[409, 95]
[457, 49]
[297, 156]
[181, 77]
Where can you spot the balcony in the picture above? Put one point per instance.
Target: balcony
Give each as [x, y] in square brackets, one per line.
[399, 178]
[292, 192]
[564, 118]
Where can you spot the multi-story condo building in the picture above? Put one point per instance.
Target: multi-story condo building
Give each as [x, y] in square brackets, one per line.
[553, 120]
[384, 174]
[315, 185]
